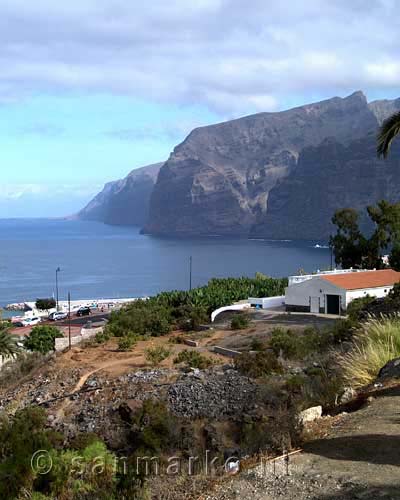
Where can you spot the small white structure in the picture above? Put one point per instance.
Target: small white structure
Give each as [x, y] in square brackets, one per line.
[267, 302]
[331, 292]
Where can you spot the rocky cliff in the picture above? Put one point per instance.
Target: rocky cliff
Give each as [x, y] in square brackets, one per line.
[126, 201]
[219, 180]
[269, 175]
[327, 177]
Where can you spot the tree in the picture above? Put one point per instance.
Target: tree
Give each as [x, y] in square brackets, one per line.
[45, 304]
[389, 129]
[42, 338]
[349, 245]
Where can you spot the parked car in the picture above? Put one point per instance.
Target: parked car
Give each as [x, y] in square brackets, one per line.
[58, 316]
[34, 320]
[83, 311]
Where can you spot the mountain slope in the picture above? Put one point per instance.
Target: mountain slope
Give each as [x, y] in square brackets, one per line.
[126, 201]
[219, 179]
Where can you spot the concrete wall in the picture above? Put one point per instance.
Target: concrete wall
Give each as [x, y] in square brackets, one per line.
[86, 333]
[234, 307]
[267, 302]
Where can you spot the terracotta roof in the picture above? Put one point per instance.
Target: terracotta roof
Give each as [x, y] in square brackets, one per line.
[363, 279]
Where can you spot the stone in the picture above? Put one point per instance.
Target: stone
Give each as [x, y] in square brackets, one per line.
[310, 414]
[390, 370]
[348, 394]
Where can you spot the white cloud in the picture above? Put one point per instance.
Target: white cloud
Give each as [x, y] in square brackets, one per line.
[235, 57]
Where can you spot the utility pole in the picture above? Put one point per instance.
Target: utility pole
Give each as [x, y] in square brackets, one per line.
[69, 321]
[57, 271]
[190, 272]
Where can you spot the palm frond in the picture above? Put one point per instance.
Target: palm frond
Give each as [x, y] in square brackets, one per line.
[389, 129]
[8, 344]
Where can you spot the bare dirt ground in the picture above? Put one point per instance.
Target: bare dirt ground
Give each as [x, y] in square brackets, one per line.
[359, 458]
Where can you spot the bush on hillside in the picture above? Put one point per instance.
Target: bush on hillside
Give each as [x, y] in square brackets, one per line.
[240, 322]
[42, 338]
[258, 365]
[193, 359]
[356, 308]
[375, 343]
[20, 367]
[127, 343]
[154, 355]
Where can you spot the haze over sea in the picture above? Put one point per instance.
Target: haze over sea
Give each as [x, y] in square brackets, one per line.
[98, 261]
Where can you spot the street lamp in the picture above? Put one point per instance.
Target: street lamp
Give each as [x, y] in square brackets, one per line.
[57, 271]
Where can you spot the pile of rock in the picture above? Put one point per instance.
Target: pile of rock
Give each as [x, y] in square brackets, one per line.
[212, 394]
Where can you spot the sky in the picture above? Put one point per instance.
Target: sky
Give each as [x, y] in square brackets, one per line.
[91, 89]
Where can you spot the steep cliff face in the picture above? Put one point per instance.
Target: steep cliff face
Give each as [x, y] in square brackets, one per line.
[328, 177]
[126, 201]
[219, 179]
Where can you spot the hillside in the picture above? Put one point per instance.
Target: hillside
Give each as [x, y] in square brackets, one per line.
[126, 201]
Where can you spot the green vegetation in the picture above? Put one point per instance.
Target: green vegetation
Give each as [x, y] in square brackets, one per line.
[193, 359]
[258, 364]
[127, 343]
[187, 309]
[240, 322]
[299, 345]
[376, 342]
[45, 304]
[8, 342]
[87, 473]
[353, 249]
[154, 355]
[21, 366]
[389, 129]
[42, 338]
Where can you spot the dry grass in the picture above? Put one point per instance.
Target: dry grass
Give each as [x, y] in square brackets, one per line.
[376, 343]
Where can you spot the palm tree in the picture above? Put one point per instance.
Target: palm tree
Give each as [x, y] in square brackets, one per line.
[389, 129]
[8, 344]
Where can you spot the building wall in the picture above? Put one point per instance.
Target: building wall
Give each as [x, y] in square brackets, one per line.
[372, 292]
[297, 297]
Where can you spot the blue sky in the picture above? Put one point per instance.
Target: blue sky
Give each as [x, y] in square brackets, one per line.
[91, 89]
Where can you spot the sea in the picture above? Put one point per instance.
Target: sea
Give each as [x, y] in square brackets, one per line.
[101, 261]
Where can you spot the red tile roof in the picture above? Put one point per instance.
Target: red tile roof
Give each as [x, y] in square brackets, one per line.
[367, 279]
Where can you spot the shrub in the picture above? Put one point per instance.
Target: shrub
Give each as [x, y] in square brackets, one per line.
[193, 359]
[126, 343]
[283, 342]
[375, 343]
[356, 308]
[22, 366]
[154, 355]
[257, 345]
[191, 317]
[239, 322]
[155, 429]
[42, 338]
[102, 337]
[258, 365]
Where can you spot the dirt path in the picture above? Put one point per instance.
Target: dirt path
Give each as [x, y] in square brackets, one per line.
[360, 458]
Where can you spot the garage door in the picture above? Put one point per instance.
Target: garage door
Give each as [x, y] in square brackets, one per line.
[333, 304]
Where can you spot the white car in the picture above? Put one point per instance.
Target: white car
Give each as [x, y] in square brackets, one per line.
[57, 316]
[30, 321]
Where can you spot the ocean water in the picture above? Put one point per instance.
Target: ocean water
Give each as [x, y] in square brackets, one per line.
[98, 261]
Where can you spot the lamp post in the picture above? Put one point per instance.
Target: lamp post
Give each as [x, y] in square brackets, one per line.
[190, 273]
[57, 271]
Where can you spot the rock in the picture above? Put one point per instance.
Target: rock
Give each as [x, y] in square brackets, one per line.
[310, 414]
[390, 370]
[348, 394]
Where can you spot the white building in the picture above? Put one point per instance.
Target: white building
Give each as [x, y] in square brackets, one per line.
[331, 292]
